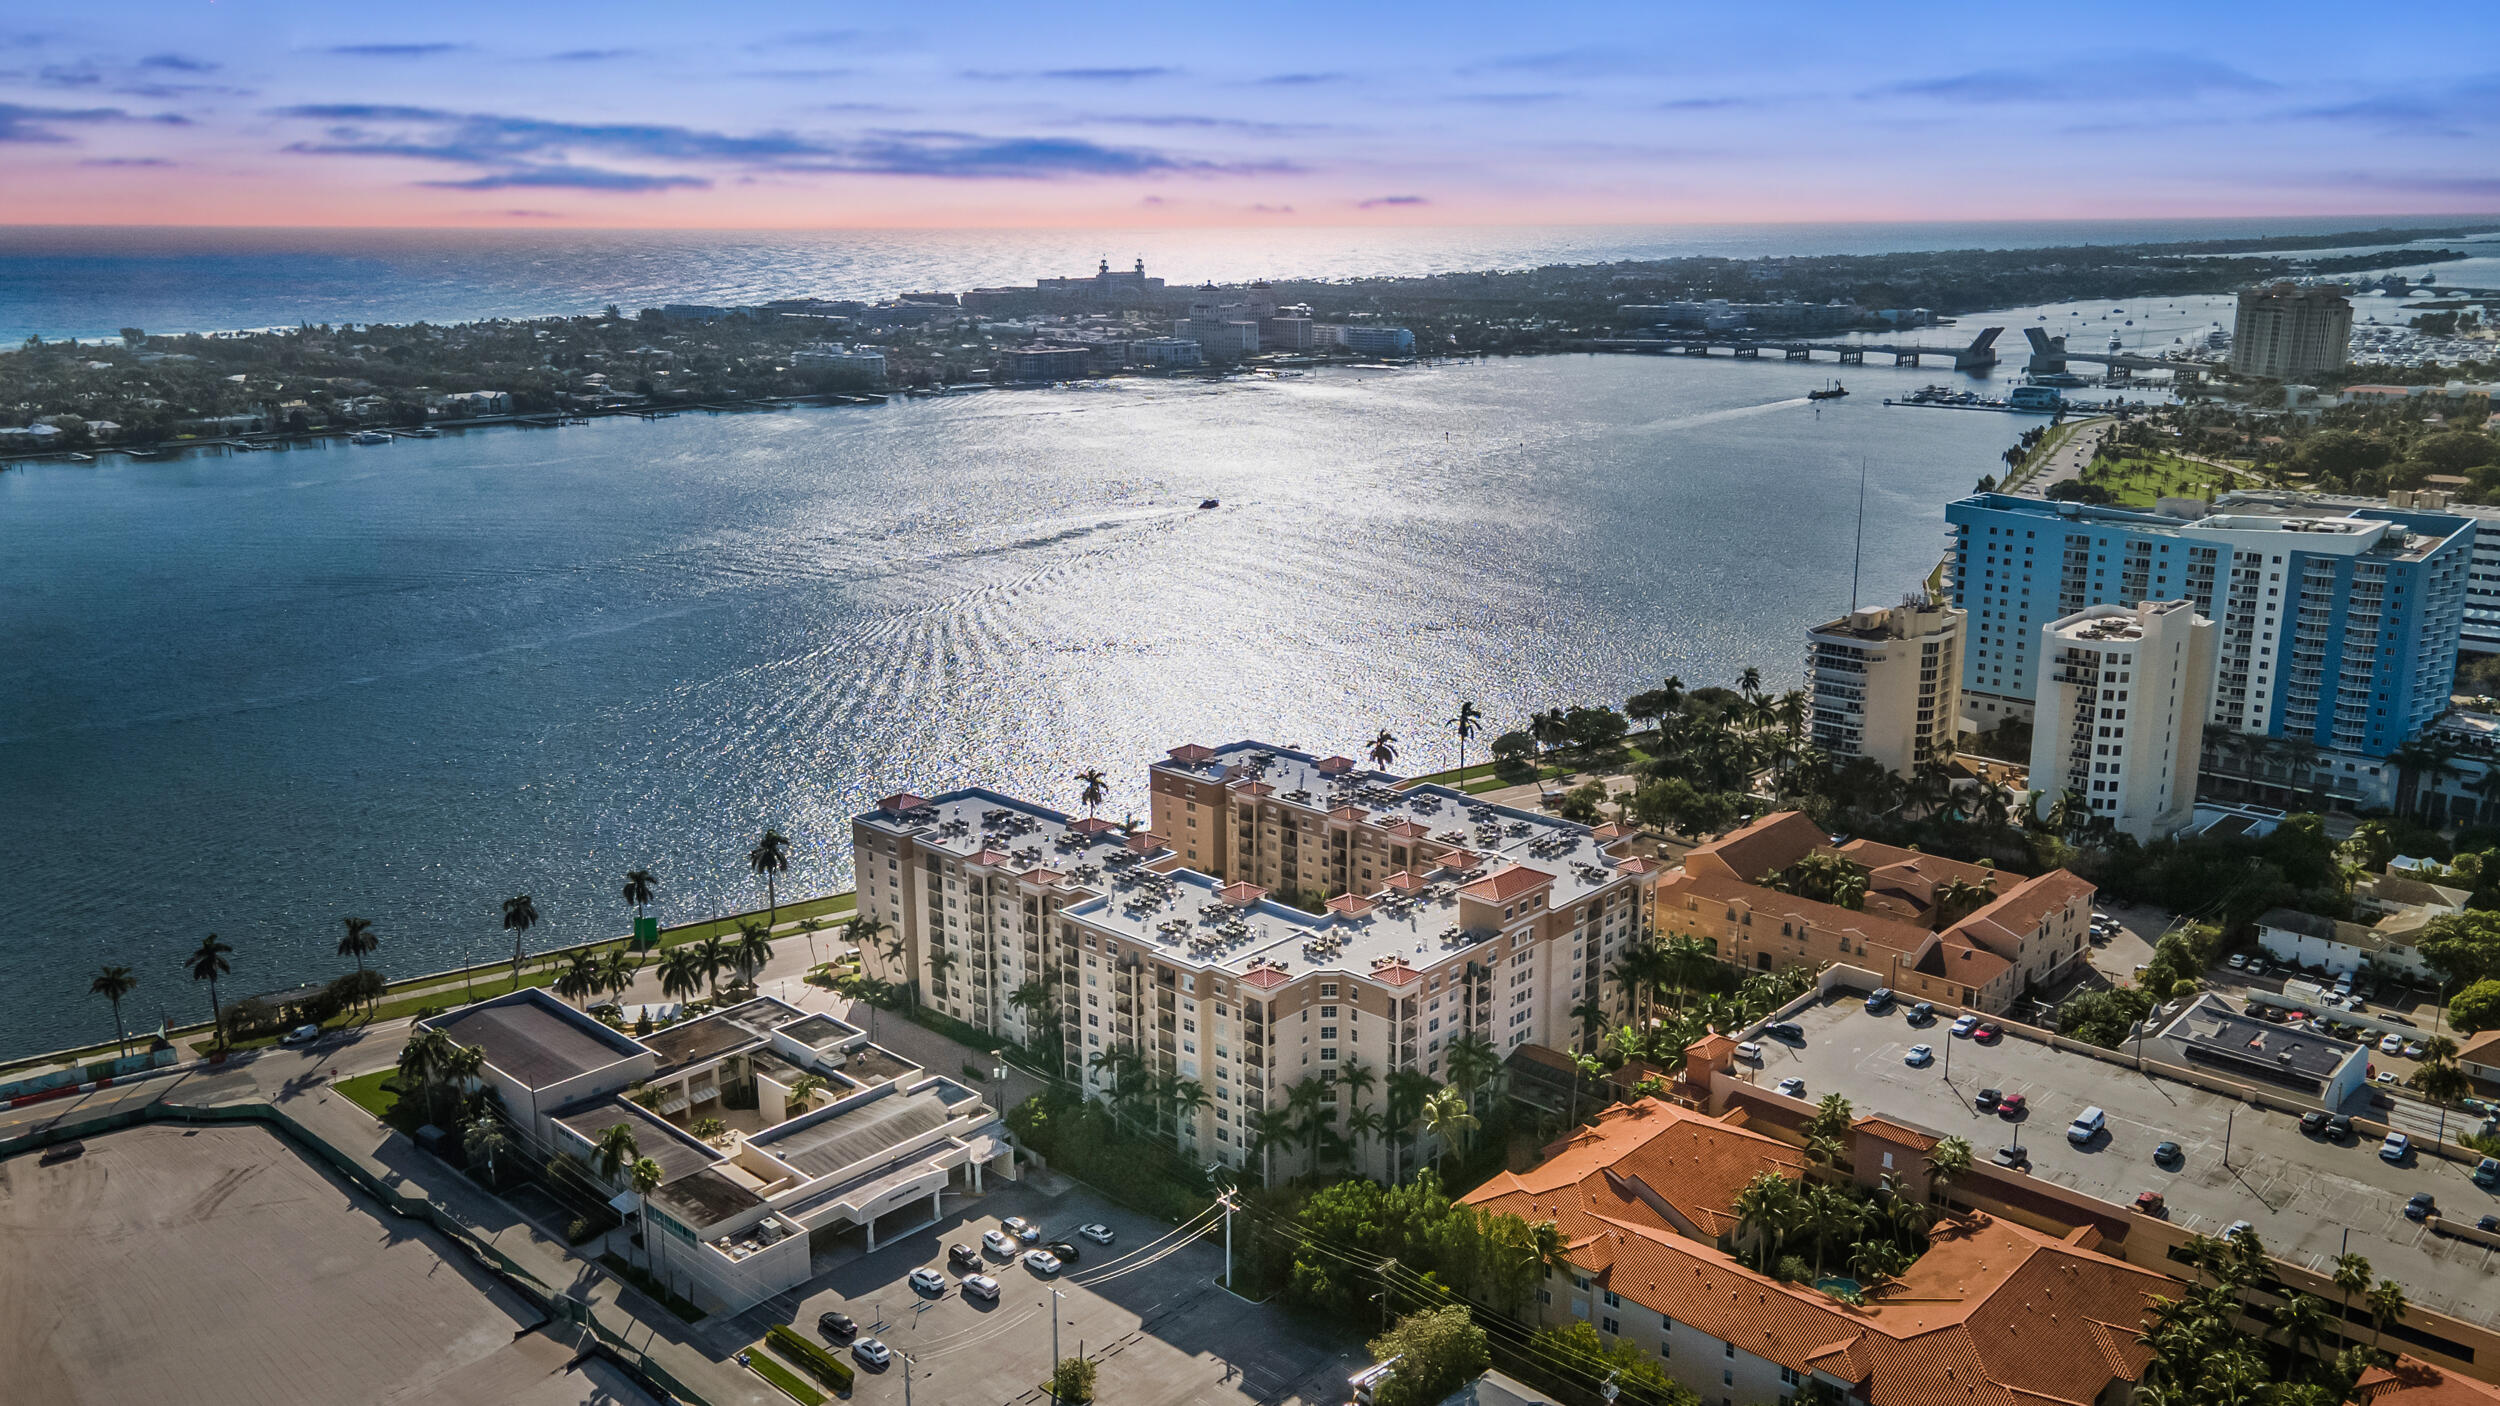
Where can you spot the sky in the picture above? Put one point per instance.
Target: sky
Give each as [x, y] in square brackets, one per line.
[764, 116]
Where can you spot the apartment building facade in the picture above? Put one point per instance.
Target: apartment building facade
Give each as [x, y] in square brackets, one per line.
[2337, 631]
[2023, 932]
[1885, 683]
[1183, 960]
[2121, 713]
[2284, 332]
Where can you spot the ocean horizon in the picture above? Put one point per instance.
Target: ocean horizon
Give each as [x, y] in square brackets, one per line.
[60, 281]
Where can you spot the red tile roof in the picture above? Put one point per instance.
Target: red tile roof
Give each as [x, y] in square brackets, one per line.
[1775, 841]
[901, 801]
[1241, 894]
[1353, 906]
[1458, 859]
[1508, 884]
[2413, 1382]
[1092, 825]
[1648, 1162]
[1331, 765]
[1192, 754]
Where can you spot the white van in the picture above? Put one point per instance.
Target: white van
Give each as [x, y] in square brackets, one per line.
[2087, 1126]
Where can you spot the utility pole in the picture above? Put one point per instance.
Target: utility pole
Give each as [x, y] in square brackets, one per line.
[2227, 1120]
[1226, 1201]
[1055, 1297]
[906, 1378]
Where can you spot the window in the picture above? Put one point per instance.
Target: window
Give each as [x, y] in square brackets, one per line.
[1609, 1325]
[1328, 990]
[1613, 1300]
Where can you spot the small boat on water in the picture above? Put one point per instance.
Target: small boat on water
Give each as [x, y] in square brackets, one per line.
[1206, 503]
[424, 432]
[1834, 391]
[368, 437]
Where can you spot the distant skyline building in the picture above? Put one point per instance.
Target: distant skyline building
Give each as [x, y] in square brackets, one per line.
[2338, 631]
[2284, 332]
[1885, 683]
[2120, 718]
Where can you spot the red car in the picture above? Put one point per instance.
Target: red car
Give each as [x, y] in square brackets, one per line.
[2150, 1203]
[1985, 1032]
[2011, 1106]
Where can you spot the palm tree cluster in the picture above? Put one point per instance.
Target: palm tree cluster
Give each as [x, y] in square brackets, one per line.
[2202, 1356]
[433, 1065]
[1799, 1230]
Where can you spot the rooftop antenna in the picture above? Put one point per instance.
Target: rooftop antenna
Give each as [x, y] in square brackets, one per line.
[1857, 554]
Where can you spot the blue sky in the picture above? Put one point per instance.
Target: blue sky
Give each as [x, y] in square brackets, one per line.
[765, 115]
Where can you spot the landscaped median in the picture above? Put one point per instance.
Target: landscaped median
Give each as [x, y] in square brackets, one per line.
[761, 1363]
[808, 1357]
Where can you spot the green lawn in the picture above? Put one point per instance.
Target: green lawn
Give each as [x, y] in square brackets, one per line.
[765, 1365]
[2139, 480]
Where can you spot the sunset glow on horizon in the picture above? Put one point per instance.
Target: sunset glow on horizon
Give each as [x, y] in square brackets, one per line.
[817, 117]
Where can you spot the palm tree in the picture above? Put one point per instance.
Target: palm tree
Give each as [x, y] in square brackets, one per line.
[1473, 1064]
[802, 1095]
[1362, 1124]
[770, 859]
[646, 1177]
[616, 972]
[1183, 1099]
[1270, 1127]
[462, 1065]
[681, 973]
[2387, 1305]
[615, 1151]
[359, 939]
[1686, 960]
[519, 916]
[753, 949]
[2352, 1276]
[1957, 899]
[113, 983]
[1469, 719]
[2303, 1321]
[1408, 1088]
[1764, 1210]
[1592, 1018]
[1095, 790]
[640, 884]
[1948, 1159]
[421, 1064]
[713, 953]
[579, 981]
[207, 962]
[1447, 1117]
[1384, 749]
[485, 1137]
[1549, 730]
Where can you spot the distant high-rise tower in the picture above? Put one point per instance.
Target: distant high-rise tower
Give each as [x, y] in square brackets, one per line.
[2120, 716]
[1886, 683]
[2285, 332]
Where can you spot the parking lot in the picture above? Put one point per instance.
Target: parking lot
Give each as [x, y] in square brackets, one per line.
[2302, 1194]
[1146, 1307]
[217, 1265]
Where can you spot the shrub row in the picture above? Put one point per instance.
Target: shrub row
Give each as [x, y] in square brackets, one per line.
[782, 1377]
[823, 1365]
[640, 1278]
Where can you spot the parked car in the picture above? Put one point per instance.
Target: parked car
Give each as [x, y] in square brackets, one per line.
[2313, 1123]
[1793, 1087]
[2239, 962]
[1985, 1032]
[2391, 1044]
[2168, 1155]
[1749, 1051]
[1041, 1261]
[2338, 1128]
[2236, 1229]
[2414, 1049]
[928, 1281]
[1022, 1229]
[1879, 1000]
[1099, 1233]
[2012, 1106]
[2487, 1173]
[981, 1286]
[1988, 1099]
[2087, 1125]
[998, 1243]
[1964, 1025]
[1919, 1057]
[2151, 1203]
[2397, 1148]
[2421, 1205]
[1788, 1030]
[300, 1036]
[835, 1325]
[872, 1352]
[963, 1255]
[1922, 1013]
[2489, 1225]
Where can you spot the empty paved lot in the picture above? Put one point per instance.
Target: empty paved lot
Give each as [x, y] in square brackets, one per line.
[216, 1265]
[2301, 1193]
[1163, 1333]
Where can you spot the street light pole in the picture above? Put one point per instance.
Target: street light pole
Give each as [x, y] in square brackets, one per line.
[2227, 1121]
[1226, 1201]
[906, 1378]
[1055, 1296]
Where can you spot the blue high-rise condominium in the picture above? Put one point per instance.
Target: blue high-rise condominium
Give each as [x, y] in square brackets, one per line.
[2338, 629]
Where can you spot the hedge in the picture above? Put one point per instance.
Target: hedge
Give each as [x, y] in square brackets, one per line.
[641, 1278]
[785, 1379]
[823, 1365]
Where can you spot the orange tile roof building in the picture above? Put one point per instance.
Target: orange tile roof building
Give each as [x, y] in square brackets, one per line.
[2028, 934]
[1992, 1313]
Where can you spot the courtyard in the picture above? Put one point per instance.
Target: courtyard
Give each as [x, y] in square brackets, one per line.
[217, 1265]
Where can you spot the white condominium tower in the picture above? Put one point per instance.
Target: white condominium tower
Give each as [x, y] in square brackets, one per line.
[2120, 716]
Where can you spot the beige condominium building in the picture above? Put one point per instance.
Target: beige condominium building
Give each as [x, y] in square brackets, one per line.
[2284, 332]
[1443, 917]
[2119, 720]
[1886, 682]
